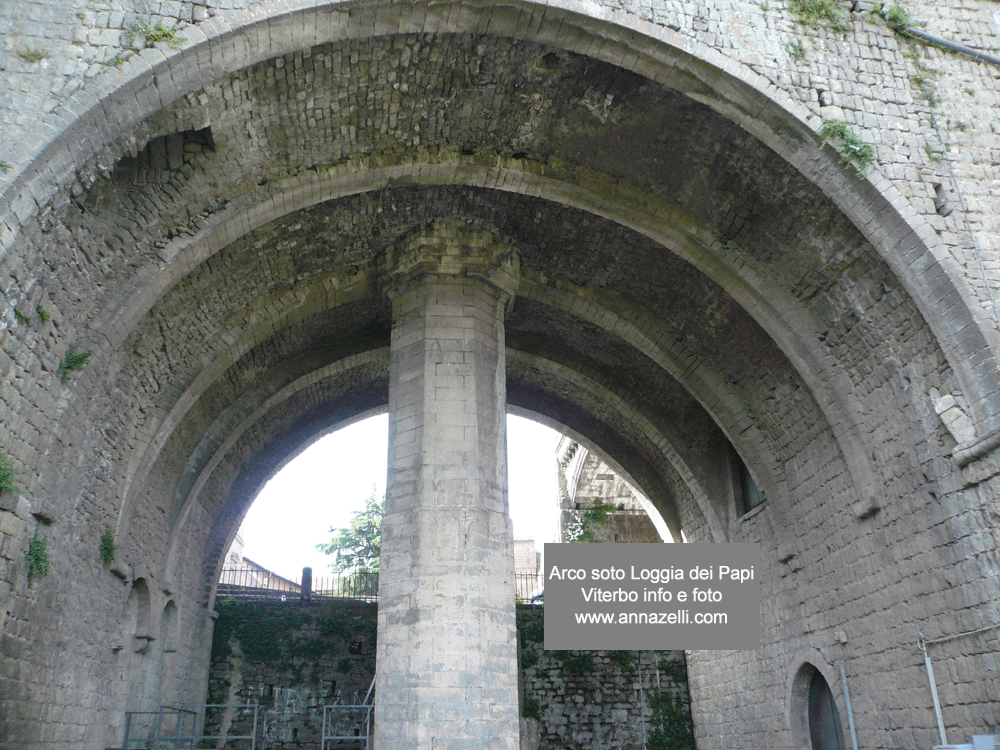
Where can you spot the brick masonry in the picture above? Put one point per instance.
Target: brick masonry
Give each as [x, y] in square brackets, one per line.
[208, 216]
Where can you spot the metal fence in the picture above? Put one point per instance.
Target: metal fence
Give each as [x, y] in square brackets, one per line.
[248, 583]
[528, 587]
[176, 728]
[350, 723]
[360, 585]
[253, 727]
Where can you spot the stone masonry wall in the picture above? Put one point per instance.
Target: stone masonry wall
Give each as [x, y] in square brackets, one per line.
[292, 658]
[927, 112]
[613, 700]
[791, 308]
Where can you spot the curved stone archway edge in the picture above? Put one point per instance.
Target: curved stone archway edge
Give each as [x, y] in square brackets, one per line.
[88, 128]
[768, 305]
[670, 447]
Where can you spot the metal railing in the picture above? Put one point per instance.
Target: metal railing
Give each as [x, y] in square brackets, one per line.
[175, 728]
[349, 723]
[249, 583]
[528, 587]
[362, 585]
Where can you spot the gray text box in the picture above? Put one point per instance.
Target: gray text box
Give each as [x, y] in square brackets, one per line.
[652, 596]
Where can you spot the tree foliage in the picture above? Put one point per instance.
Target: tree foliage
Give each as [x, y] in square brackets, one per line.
[357, 547]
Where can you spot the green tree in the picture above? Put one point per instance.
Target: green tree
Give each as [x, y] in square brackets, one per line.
[357, 547]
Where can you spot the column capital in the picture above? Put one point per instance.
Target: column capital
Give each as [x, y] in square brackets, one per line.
[452, 248]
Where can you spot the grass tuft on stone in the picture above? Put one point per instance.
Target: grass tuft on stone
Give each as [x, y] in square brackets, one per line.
[38, 558]
[160, 32]
[74, 360]
[852, 150]
[7, 474]
[109, 549]
[33, 55]
[816, 13]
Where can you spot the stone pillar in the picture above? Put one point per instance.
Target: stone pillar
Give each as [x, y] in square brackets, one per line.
[446, 659]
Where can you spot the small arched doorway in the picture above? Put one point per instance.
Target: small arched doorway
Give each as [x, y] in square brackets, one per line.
[825, 729]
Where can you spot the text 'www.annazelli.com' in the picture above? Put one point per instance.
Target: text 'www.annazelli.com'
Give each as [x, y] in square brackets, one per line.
[680, 617]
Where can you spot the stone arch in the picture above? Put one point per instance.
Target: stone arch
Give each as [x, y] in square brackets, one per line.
[135, 637]
[653, 512]
[658, 53]
[832, 399]
[138, 617]
[874, 207]
[668, 448]
[815, 707]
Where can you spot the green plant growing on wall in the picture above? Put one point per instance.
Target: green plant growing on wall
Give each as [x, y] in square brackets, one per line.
[38, 559]
[74, 360]
[158, 33]
[7, 473]
[675, 671]
[814, 13]
[923, 82]
[32, 55]
[531, 624]
[108, 547]
[532, 708]
[796, 50]
[529, 658]
[270, 635]
[581, 528]
[896, 16]
[43, 315]
[20, 317]
[5, 167]
[670, 724]
[625, 660]
[852, 150]
[580, 662]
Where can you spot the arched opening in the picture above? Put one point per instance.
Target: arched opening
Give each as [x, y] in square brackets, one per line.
[319, 489]
[292, 695]
[697, 271]
[813, 712]
[825, 730]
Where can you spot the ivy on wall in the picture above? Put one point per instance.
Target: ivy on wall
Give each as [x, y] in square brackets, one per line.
[669, 718]
[279, 634]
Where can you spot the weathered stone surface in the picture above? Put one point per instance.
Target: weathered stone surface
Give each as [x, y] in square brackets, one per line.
[207, 215]
[447, 657]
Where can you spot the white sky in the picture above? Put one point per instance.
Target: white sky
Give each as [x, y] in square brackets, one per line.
[330, 480]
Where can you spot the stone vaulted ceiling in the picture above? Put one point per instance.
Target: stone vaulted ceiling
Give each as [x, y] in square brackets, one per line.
[648, 226]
